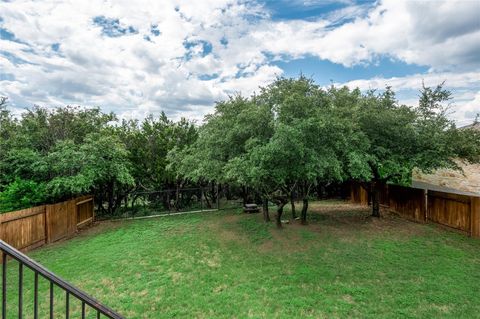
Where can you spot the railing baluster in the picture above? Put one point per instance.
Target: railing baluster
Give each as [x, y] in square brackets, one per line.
[39, 270]
[35, 296]
[51, 300]
[67, 305]
[4, 285]
[20, 290]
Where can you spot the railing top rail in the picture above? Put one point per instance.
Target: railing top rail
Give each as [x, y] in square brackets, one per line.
[33, 265]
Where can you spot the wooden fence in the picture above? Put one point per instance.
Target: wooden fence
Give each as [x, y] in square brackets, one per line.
[33, 227]
[457, 211]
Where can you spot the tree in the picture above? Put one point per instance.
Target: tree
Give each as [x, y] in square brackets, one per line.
[41, 128]
[289, 137]
[8, 126]
[99, 165]
[107, 168]
[318, 143]
[226, 135]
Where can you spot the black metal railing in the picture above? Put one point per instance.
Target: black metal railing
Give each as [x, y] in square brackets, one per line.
[54, 280]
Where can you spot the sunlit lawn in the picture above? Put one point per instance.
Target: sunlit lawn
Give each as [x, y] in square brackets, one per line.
[231, 265]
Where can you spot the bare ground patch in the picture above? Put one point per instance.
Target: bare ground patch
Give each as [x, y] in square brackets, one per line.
[221, 227]
[342, 220]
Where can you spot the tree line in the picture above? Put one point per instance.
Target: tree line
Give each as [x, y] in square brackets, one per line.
[276, 145]
[48, 155]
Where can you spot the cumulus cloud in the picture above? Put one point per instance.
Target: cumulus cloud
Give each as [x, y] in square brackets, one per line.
[415, 81]
[465, 85]
[137, 57]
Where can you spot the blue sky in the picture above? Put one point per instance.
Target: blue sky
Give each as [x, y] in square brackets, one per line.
[181, 56]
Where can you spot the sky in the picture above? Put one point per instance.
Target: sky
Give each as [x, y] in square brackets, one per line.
[178, 56]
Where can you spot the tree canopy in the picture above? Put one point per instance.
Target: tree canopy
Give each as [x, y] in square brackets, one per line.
[294, 135]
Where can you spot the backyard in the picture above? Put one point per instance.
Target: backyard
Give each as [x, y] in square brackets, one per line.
[232, 265]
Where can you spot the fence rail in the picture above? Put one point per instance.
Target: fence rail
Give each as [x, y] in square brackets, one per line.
[457, 211]
[54, 280]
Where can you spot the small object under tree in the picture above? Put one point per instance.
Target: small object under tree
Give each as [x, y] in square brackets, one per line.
[251, 208]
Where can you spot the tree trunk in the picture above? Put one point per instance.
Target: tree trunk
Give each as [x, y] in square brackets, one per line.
[244, 195]
[134, 200]
[214, 194]
[228, 193]
[207, 202]
[375, 196]
[279, 213]
[167, 201]
[177, 197]
[266, 216]
[292, 202]
[303, 216]
[110, 198]
[99, 202]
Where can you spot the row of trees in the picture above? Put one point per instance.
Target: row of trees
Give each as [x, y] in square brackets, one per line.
[295, 135]
[278, 144]
[50, 155]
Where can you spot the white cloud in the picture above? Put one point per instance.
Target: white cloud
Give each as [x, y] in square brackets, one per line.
[465, 87]
[451, 79]
[440, 34]
[134, 75]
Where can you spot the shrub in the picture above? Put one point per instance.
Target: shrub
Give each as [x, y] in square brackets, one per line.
[22, 194]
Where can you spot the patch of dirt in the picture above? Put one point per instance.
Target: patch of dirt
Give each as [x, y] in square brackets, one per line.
[287, 239]
[348, 299]
[332, 206]
[226, 234]
[342, 220]
[346, 222]
[266, 246]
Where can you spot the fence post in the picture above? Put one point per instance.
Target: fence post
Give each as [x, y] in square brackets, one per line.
[475, 216]
[425, 205]
[201, 198]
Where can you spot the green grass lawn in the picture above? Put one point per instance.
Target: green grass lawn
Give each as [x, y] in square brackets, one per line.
[231, 265]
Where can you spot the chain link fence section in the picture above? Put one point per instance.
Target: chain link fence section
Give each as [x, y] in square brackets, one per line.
[175, 201]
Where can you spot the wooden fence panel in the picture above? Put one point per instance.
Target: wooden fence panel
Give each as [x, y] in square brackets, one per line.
[408, 202]
[450, 209]
[33, 227]
[384, 195]
[61, 220]
[24, 229]
[358, 194]
[458, 211]
[57, 221]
